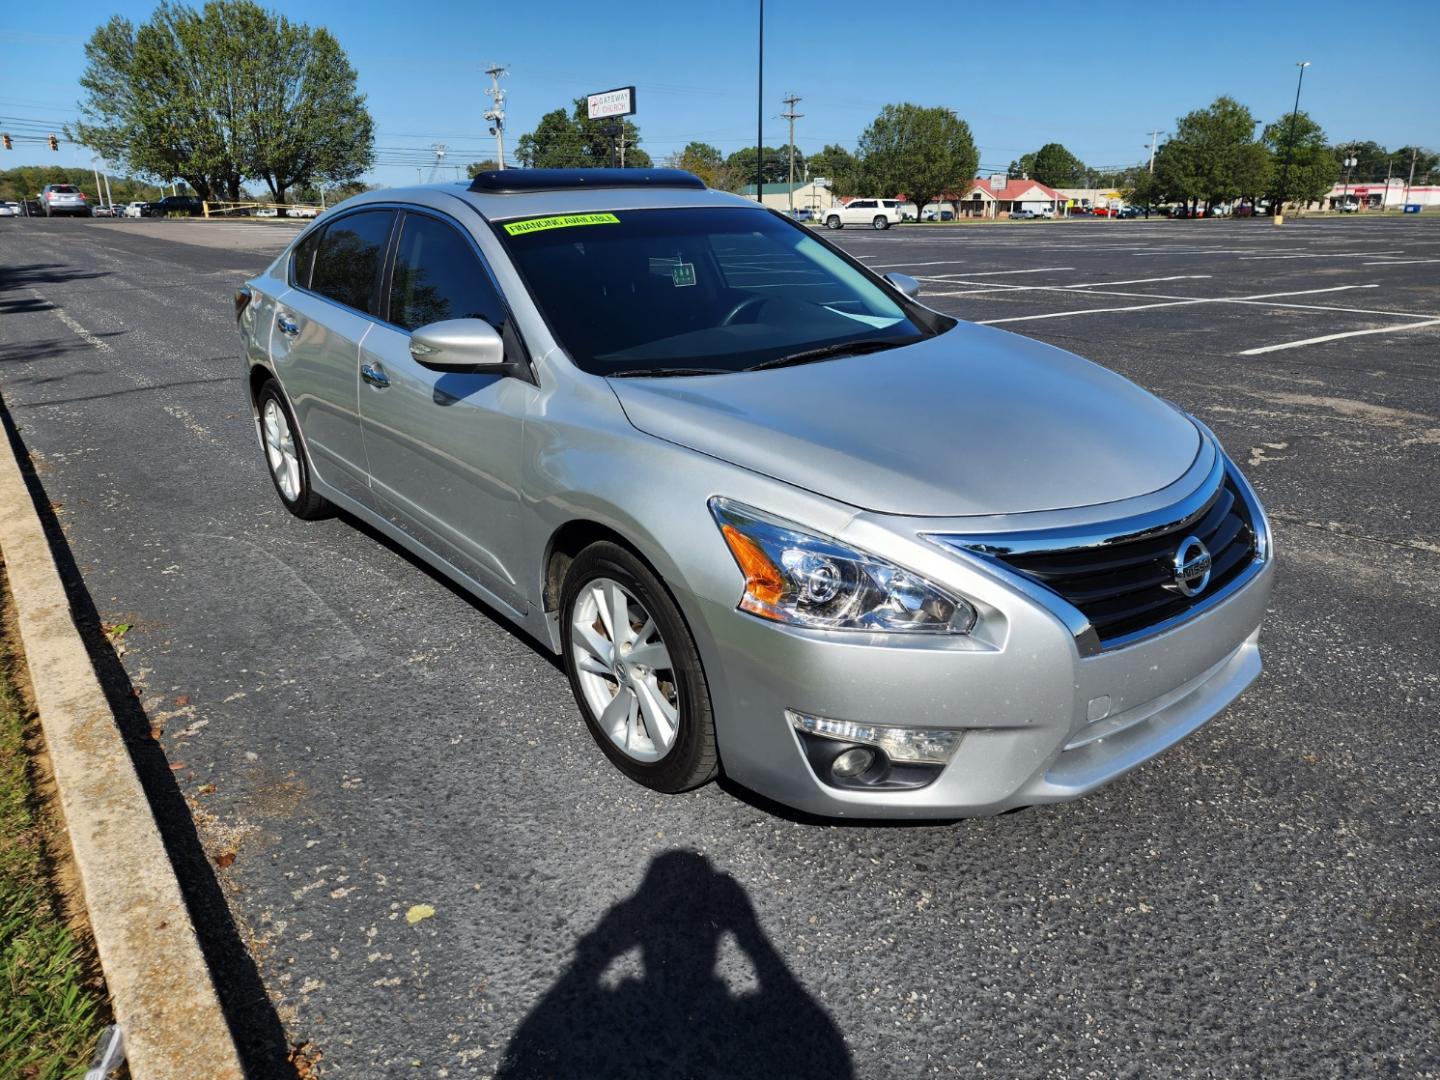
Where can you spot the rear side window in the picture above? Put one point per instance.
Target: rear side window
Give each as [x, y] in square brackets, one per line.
[303, 261]
[438, 276]
[347, 262]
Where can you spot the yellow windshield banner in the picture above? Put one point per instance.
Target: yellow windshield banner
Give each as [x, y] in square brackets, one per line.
[562, 221]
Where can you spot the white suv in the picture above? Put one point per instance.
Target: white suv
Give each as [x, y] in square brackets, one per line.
[877, 213]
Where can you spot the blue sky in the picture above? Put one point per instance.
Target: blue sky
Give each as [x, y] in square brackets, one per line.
[1093, 76]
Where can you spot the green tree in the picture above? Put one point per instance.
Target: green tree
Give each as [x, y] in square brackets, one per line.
[777, 164]
[1313, 166]
[1211, 157]
[1023, 166]
[1427, 163]
[1057, 167]
[917, 151]
[217, 95]
[839, 166]
[571, 140]
[1372, 161]
[477, 167]
[706, 162]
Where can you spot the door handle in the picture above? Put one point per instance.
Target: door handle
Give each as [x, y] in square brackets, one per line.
[286, 324]
[375, 375]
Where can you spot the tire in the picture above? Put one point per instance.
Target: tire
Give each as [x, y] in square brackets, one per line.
[881, 222]
[634, 737]
[285, 456]
[834, 222]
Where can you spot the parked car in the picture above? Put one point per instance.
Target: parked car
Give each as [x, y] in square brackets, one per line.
[9, 209]
[101, 210]
[877, 213]
[177, 206]
[135, 209]
[1130, 212]
[938, 215]
[1081, 211]
[572, 393]
[1022, 215]
[63, 199]
[266, 212]
[803, 213]
[301, 212]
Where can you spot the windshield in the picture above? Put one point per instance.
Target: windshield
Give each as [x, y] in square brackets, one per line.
[695, 290]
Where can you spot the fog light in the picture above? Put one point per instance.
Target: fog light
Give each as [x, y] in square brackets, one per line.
[930, 746]
[853, 762]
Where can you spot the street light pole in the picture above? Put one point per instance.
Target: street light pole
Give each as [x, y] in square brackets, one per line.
[1350, 162]
[1279, 211]
[760, 115]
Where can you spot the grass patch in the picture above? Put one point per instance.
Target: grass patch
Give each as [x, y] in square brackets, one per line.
[52, 1004]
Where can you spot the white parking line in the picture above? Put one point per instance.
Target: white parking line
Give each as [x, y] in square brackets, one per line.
[993, 273]
[1172, 303]
[1400, 262]
[1323, 255]
[1337, 337]
[950, 280]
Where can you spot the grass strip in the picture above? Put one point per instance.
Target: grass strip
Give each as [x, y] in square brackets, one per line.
[52, 1002]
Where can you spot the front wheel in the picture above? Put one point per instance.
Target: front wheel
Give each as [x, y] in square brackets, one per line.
[635, 671]
[881, 222]
[833, 222]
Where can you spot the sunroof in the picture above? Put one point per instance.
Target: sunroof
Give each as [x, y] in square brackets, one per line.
[514, 181]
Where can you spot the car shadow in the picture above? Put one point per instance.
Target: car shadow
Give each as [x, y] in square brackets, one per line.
[648, 993]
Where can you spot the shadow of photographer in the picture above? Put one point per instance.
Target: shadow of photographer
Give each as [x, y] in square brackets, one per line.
[646, 995]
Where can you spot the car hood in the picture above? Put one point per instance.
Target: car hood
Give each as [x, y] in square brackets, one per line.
[973, 421]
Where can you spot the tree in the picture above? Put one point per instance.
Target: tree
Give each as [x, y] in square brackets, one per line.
[1023, 166]
[1427, 163]
[475, 168]
[918, 151]
[777, 164]
[706, 162]
[571, 140]
[1052, 164]
[1313, 165]
[839, 166]
[217, 95]
[1372, 162]
[1211, 157]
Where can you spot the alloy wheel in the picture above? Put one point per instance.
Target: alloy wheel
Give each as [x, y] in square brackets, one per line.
[625, 671]
[280, 449]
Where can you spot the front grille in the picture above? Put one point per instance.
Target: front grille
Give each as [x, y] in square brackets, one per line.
[1127, 585]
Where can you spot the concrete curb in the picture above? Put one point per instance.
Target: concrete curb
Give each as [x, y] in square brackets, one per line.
[160, 987]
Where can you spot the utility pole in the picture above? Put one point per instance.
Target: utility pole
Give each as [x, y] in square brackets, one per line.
[496, 113]
[791, 115]
[440, 151]
[1154, 138]
[760, 114]
[1410, 180]
[1279, 211]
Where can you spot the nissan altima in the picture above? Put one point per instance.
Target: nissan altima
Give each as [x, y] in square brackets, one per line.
[779, 518]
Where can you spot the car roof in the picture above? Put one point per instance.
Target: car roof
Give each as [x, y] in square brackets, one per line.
[559, 198]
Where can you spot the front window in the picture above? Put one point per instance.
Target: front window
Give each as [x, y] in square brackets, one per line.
[696, 290]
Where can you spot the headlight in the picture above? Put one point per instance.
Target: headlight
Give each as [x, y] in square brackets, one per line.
[796, 577]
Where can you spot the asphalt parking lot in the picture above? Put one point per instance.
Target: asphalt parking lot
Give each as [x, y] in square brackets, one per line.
[353, 737]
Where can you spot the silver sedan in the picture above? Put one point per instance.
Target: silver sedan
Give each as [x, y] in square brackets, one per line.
[779, 518]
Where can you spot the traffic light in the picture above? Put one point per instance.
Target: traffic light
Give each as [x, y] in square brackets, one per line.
[9, 142]
[54, 143]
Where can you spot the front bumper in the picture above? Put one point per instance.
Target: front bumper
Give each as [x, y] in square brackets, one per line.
[1046, 715]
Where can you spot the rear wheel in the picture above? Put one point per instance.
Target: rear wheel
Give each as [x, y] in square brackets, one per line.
[289, 471]
[635, 671]
[881, 222]
[833, 222]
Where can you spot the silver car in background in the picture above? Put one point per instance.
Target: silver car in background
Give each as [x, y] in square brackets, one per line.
[777, 517]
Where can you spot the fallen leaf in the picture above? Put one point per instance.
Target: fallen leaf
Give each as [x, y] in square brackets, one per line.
[418, 912]
[156, 730]
[183, 699]
[207, 789]
[176, 766]
[117, 631]
[224, 859]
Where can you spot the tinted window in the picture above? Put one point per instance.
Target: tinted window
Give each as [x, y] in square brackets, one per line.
[348, 260]
[437, 276]
[63, 189]
[303, 261]
[720, 288]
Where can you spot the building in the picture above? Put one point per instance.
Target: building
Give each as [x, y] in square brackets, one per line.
[1089, 198]
[1000, 196]
[809, 195]
[1380, 195]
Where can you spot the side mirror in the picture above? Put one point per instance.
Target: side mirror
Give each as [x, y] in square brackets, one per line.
[905, 283]
[457, 345]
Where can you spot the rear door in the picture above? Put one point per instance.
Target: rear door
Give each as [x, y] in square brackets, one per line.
[444, 447]
[319, 324]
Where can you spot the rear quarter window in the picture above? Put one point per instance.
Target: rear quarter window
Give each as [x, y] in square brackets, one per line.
[349, 256]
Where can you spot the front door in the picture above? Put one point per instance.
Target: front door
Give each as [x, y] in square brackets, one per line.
[444, 447]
